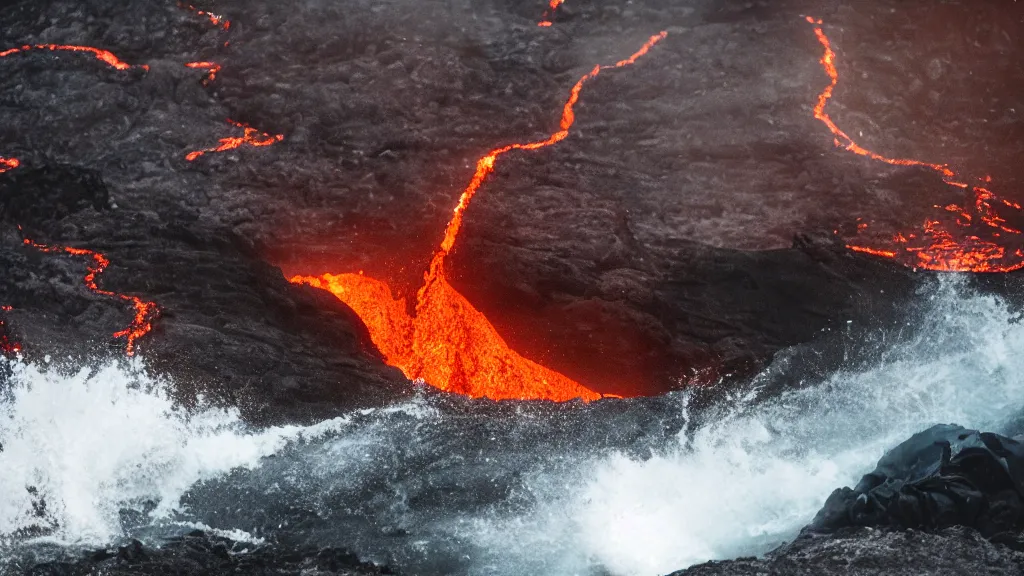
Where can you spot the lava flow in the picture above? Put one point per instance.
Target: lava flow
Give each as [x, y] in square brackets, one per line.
[212, 67]
[8, 164]
[8, 347]
[144, 311]
[448, 343]
[549, 13]
[250, 136]
[214, 19]
[102, 55]
[967, 243]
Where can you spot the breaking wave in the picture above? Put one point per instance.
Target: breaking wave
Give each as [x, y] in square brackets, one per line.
[443, 486]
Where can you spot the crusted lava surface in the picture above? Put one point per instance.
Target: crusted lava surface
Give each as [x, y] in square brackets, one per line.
[650, 249]
[691, 226]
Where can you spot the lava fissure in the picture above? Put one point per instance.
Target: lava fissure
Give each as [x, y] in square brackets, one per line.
[216, 20]
[8, 164]
[447, 342]
[212, 69]
[103, 55]
[550, 13]
[145, 311]
[250, 136]
[935, 247]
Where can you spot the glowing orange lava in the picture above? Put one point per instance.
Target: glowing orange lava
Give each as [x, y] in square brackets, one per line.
[8, 164]
[448, 343]
[214, 19]
[144, 311]
[250, 136]
[549, 13]
[102, 55]
[213, 68]
[968, 243]
[8, 347]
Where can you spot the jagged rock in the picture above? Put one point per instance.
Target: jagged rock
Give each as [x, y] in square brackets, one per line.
[873, 552]
[201, 554]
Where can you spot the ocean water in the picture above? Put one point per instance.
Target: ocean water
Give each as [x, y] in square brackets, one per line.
[97, 454]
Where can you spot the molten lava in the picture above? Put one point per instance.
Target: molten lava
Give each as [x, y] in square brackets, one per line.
[8, 347]
[449, 343]
[144, 311]
[214, 19]
[971, 242]
[8, 164]
[250, 136]
[213, 68]
[549, 13]
[101, 55]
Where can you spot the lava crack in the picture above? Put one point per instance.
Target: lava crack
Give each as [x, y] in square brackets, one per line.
[972, 242]
[448, 343]
[145, 311]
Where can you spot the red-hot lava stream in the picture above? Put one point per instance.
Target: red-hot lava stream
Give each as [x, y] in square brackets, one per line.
[448, 343]
[550, 13]
[971, 242]
[145, 311]
[250, 135]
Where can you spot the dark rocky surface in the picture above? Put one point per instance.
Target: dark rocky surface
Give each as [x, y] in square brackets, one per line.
[201, 554]
[611, 257]
[869, 551]
[621, 257]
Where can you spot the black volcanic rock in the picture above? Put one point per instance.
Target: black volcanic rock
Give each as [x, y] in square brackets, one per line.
[601, 257]
[873, 552]
[945, 476]
[200, 554]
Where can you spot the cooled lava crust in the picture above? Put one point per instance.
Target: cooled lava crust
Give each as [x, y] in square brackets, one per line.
[693, 224]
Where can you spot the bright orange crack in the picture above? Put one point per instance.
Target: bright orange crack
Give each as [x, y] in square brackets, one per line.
[102, 55]
[8, 164]
[448, 343]
[213, 68]
[549, 13]
[214, 19]
[971, 242]
[145, 311]
[250, 136]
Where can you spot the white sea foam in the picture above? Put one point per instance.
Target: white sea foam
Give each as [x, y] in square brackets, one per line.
[79, 447]
[753, 476]
[91, 443]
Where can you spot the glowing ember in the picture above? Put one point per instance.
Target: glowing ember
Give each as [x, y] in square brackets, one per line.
[449, 343]
[213, 68]
[250, 136]
[144, 311]
[936, 247]
[102, 55]
[8, 347]
[549, 13]
[214, 19]
[8, 164]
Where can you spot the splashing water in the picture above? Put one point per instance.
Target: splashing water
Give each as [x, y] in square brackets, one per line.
[504, 489]
[79, 447]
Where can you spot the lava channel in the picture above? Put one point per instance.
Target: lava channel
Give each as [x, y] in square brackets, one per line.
[972, 237]
[448, 343]
[550, 13]
[212, 69]
[145, 311]
[219, 21]
[8, 347]
[102, 55]
[250, 136]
